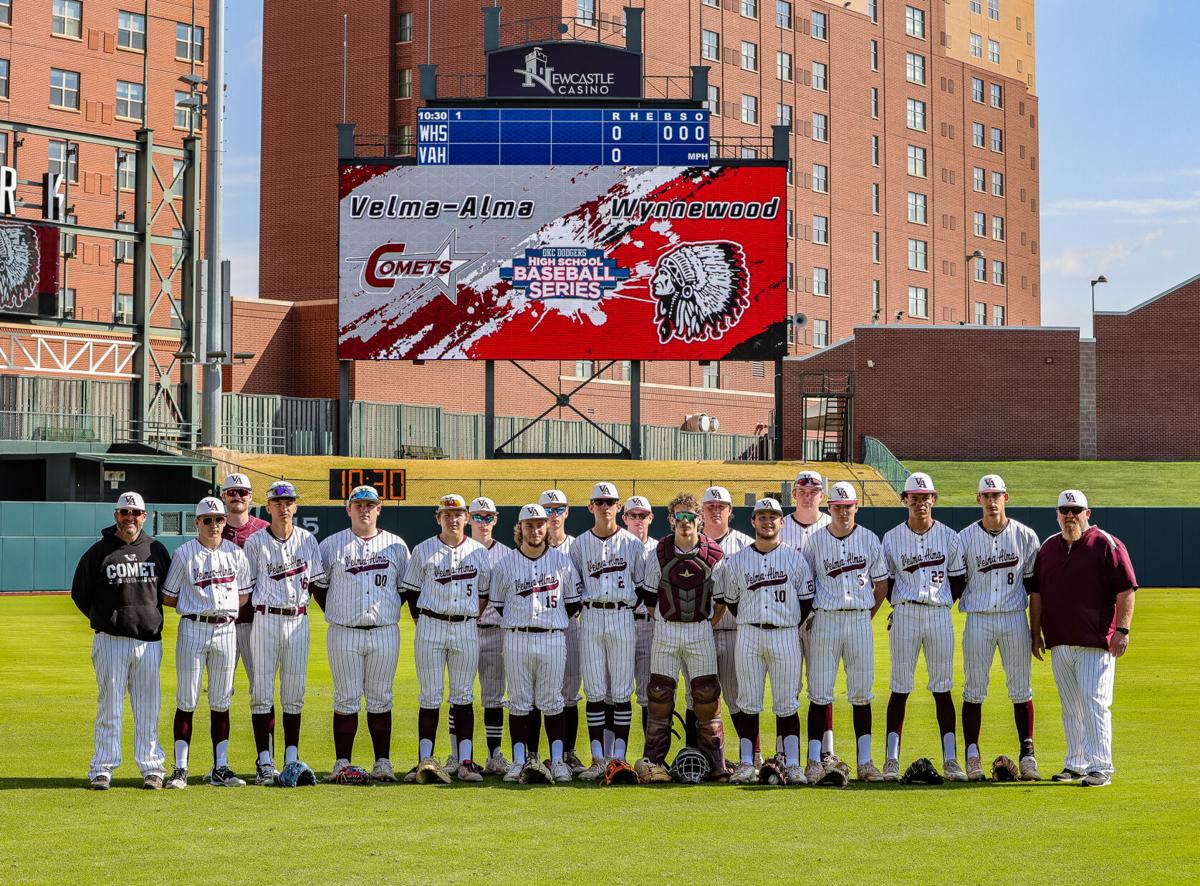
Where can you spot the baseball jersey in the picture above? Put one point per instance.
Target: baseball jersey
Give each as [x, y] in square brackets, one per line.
[208, 582]
[650, 544]
[283, 570]
[239, 535]
[450, 580]
[920, 562]
[767, 587]
[496, 553]
[363, 575]
[997, 565]
[610, 568]
[731, 542]
[565, 544]
[795, 533]
[534, 592]
[845, 569]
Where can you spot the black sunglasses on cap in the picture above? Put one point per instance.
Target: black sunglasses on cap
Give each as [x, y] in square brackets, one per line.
[1070, 509]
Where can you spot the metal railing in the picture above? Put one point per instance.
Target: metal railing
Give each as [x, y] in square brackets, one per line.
[673, 87]
[254, 438]
[57, 427]
[742, 147]
[878, 456]
[598, 29]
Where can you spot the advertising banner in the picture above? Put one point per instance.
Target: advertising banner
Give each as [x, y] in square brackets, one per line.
[564, 70]
[28, 267]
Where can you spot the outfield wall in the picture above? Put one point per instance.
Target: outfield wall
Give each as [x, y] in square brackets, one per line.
[40, 542]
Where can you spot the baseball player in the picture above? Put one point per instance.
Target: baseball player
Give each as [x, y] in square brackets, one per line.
[926, 575]
[637, 517]
[768, 586]
[446, 587]
[1000, 555]
[360, 596]
[284, 562]
[554, 501]
[209, 580]
[117, 585]
[677, 584]
[608, 560]
[535, 589]
[850, 573]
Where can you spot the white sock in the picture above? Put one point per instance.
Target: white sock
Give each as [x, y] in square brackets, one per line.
[424, 748]
[221, 754]
[464, 749]
[949, 746]
[814, 749]
[264, 757]
[291, 754]
[610, 739]
[893, 745]
[972, 751]
[495, 752]
[864, 749]
[791, 750]
[454, 744]
[746, 751]
[519, 753]
[827, 742]
[597, 751]
[556, 751]
[618, 748]
[181, 754]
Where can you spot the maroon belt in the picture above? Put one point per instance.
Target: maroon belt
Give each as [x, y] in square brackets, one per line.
[533, 630]
[282, 610]
[766, 627]
[440, 616]
[211, 619]
[616, 605]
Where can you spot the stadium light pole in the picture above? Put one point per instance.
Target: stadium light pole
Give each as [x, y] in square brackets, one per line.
[1100, 279]
[210, 396]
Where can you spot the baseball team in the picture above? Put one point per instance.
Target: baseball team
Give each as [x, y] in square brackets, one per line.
[556, 620]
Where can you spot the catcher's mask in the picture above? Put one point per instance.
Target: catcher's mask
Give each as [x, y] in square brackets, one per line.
[690, 767]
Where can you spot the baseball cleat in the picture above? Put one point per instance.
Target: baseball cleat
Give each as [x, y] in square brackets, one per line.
[496, 765]
[535, 772]
[814, 772]
[430, 771]
[410, 777]
[561, 772]
[1067, 775]
[891, 770]
[152, 782]
[594, 772]
[178, 779]
[869, 772]
[224, 777]
[338, 765]
[744, 774]
[794, 775]
[452, 763]
[100, 782]
[514, 773]
[266, 776]
[382, 771]
[1095, 780]
[975, 769]
[1029, 770]
[952, 771]
[470, 771]
[573, 761]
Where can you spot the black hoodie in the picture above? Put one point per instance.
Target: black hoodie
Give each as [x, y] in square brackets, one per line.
[118, 586]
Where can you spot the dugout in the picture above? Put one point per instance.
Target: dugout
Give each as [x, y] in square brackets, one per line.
[58, 472]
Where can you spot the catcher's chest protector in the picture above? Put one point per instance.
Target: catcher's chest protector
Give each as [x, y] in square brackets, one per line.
[685, 588]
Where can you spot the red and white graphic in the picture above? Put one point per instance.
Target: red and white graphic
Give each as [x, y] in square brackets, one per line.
[28, 265]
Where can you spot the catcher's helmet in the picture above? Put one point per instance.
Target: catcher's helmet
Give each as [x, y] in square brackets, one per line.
[690, 767]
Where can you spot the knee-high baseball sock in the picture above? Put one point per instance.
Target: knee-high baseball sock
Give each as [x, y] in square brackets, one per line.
[493, 724]
[533, 730]
[427, 723]
[595, 728]
[453, 733]
[947, 720]
[610, 732]
[862, 731]
[691, 729]
[554, 736]
[345, 727]
[518, 731]
[1023, 713]
[570, 727]
[645, 717]
[622, 712]
[380, 727]
[747, 728]
[218, 723]
[789, 729]
[182, 731]
[816, 729]
[264, 727]
[972, 722]
[827, 735]
[895, 723]
[291, 736]
[464, 730]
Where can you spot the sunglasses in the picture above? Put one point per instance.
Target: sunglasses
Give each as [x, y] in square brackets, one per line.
[484, 518]
[687, 515]
[237, 493]
[1074, 509]
[209, 521]
[605, 502]
[130, 512]
[557, 510]
[637, 515]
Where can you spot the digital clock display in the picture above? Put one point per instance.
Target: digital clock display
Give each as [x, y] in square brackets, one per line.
[388, 482]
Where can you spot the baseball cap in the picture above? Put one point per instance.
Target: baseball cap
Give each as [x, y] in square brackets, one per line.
[809, 478]
[210, 505]
[131, 500]
[364, 493]
[605, 490]
[843, 493]
[552, 498]
[919, 482]
[992, 483]
[768, 504]
[637, 503]
[483, 505]
[281, 489]
[236, 481]
[1072, 498]
[532, 512]
[717, 493]
[452, 502]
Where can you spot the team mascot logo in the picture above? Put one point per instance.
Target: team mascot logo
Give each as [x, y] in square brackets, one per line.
[701, 290]
[20, 263]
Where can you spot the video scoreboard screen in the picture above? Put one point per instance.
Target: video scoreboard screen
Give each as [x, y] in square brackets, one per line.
[562, 137]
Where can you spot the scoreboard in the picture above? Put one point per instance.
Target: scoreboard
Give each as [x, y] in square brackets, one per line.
[562, 136]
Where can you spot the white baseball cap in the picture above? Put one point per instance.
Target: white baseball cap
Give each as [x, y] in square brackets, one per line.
[210, 505]
[236, 481]
[809, 478]
[768, 504]
[130, 500]
[1072, 498]
[637, 503]
[363, 493]
[717, 493]
[483, 505]
[919, 482]
[992, 483]
[605, 490]
[843, 493]
[552, 498]
[531, 512]
[452, 502]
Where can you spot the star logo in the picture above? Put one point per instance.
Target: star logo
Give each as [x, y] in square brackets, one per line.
[438, 270]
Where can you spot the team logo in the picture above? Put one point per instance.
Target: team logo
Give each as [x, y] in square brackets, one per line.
[919, 482]
[210, 505]
[701, 290]
[1069, 496]
[20, 265]
[539, 72]
[553, 497]
[989, 482]
[391, 263]
[564, 272]
[128, 501]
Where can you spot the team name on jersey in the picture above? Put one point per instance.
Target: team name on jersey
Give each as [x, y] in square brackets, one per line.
[840, 566]
[355, 565]
[123, 572]
[286, 569]
[444, 575]
[997, 561]
[597, 568]
[524, 587]
[203, 578]
[913, 562]
[769, 579]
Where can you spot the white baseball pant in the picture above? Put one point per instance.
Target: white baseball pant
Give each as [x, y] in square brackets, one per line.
[533, 668]
[1084, 676]
[573, 674]
[243, 648]
[200, 647]
[984, 632]
[643, 629]
[123, 663]
[279, 645]
[491, 666]
[606, 643]
[916, 626]
[679, 645]
[441, 648]
[841, 635]
[725, 640]
[762, 652]
[362, 663]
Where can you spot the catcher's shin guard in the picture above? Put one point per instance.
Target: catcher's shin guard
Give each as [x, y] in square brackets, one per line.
[706, 694]
[658, 724]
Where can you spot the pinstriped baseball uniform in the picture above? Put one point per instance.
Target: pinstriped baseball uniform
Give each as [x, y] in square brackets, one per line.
[724, 636]
[491, 642]
[206, 582]
[610, 569]
[572, 688]
[687, 646]
[239, 536]
[643, 628]
[995, 601]
[450, 582]
[844, 571]
[534, 593]
[767, 589]
[796, 534]
[362, 608]
[920, 564]
[282, 572]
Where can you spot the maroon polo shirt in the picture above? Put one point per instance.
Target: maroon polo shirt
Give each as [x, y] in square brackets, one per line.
[1079, 584]
[238, 536]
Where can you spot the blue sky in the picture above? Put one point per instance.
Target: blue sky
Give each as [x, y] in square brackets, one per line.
[1120, 150]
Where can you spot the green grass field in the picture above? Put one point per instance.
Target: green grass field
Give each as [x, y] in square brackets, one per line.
[1106, 483]
[1142, 829]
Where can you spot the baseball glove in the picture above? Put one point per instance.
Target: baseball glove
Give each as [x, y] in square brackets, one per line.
[352, 775]
[296, 774]
[1004, 769]
[771, 772]
[921, 772]
[837, 774]
[619, 772]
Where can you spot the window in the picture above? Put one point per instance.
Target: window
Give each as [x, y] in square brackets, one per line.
[189, 42]
[874, 55]
[875, 247]
[977, 134]
[976, 7]
[130, 100]
[126, 170]
[997, 184]
[710, 45]
[997, 315]
[994, 10]
[820, 127]
[714, 100]
[820, 178]
[177, 246]
[123, 309]
[976, 89]
[875, 102]
[64, 89]
[874, 150]
[916, 161]
[66, 304]
[124, 250]
[404, 27]
[783, 114]
[404, 80]
[873, 10]
[978, 175]
[585, 11]
[918, 301]
[976, 46]
[997, 227]
[131, 30]
[187, 111]
[820, 24]
[918, 255]
[875, 198]
[820, 281]
[914, 67]
[820, 333]
[997, 96]
[710, 374]
[980, 313]
[749, 56]
[748, 153]
[980, 270]
[791, 225]
[790, 177]
[3, 148]
[406, 141]
[998, 273]
[716, 3]
[791, 275]
[918, 208]
[875, 300]
[66, 18]
[980, 224]
[783, 65]
[783, 14]
[994, 51]
[821, 229]
[914, 22]
[750, 109]
[69, 241]
[916, 114]
[5, 12]
[583, 368]
[750, 8]
[997, 139]
[3, 78]
[62, 158]
[820, 76]
[176, 184]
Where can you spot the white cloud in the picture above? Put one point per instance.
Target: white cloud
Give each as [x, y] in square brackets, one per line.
[1138, 206]
[1080, 261]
